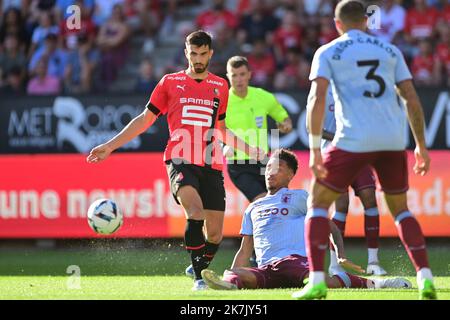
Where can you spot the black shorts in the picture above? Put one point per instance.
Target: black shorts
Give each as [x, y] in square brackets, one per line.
[208, 183]
[248, 178]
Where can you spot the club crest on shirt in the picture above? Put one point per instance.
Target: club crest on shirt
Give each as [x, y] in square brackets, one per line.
[216, 91]
[180, 177]
[286, 198]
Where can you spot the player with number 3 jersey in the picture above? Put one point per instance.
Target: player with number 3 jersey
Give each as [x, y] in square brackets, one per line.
[365, 74]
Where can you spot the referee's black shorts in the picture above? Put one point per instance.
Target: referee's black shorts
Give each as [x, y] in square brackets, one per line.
[248, 178]
[207, 181]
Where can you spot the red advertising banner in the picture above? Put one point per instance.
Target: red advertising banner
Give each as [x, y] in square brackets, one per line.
[47, 196]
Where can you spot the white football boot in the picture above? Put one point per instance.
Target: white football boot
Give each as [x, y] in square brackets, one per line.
[190, 271]
[397, 283]
[199, 285]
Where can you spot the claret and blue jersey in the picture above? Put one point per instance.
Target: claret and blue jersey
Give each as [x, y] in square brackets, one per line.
[276, 223]
[363, 72]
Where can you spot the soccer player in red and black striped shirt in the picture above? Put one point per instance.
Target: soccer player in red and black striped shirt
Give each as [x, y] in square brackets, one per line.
[195, 103]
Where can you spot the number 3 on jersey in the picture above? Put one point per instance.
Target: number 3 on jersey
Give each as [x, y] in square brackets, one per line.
[202, 120]
[374, 64]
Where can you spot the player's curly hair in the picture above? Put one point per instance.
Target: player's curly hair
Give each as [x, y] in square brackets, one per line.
[288, 156]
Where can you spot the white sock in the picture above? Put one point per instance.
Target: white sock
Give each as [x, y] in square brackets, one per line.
[424, 273]
[372, 255]
[316, 277]
[333, 259]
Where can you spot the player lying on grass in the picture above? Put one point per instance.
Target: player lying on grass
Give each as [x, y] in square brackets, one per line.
[274, 227]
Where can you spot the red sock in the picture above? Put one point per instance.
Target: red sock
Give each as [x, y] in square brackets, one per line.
[317, 230]
[412, 237]
[348, 280]
[372, 230]
[340, 225]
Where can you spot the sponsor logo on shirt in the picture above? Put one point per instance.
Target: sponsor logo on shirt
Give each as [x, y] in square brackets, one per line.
[204, 102]
[215, 82]
[176, 78]
[272, 212]
[181, 87]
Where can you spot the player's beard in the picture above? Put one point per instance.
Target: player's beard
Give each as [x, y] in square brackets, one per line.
[200, 68]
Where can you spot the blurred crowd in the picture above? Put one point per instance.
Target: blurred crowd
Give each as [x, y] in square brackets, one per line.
[45, 49]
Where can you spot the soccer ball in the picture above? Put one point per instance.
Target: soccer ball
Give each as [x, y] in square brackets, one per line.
[104, 216]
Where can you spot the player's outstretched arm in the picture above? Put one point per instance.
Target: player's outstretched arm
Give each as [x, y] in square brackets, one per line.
[336, 240]
[136, 126]
[241, 259]
[417, 123]
[338, 243]
[230, 139]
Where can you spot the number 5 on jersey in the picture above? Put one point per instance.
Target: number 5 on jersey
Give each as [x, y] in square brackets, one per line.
[202, 119]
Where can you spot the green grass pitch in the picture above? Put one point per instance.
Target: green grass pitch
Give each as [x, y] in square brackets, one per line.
[126, 272]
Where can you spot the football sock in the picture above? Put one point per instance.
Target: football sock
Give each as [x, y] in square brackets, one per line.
[424, 273]
[372, 228]
[317, 230]
[340, 219]
[210, 251]
[412, 237]
[195, 245]
[372, 255]
[316, 277]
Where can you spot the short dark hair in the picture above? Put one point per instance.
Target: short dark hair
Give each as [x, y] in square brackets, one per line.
[288, 156]
[350, 11]
[237, 62]
[199, 38]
